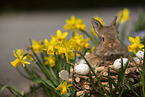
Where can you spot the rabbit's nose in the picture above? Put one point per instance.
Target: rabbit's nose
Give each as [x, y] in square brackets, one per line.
[112, 50]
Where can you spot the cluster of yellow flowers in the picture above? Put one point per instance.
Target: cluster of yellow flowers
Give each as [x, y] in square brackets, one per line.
[58, 45]
[50, 60]
[73, 24]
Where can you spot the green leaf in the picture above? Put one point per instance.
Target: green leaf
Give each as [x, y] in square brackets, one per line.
[125, 66]
[109, 81]
[83, 95]
[44, 81]
[48, 84]
[12, 90]
[16, 90]
[3, 88]
[23, 74]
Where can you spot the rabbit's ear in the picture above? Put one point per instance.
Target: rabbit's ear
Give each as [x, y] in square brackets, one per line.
[114, 22]
[96, 25]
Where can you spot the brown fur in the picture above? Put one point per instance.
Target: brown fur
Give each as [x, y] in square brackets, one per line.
[110, 47]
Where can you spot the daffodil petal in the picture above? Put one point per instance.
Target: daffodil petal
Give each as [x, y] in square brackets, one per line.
[20, 53]
[130, 49]
[64, 34]
[34, 42]
[59, 87]
[64, 90]
[46, 42]
[131, 39]
[69, 85]
[39, 42]
[140, 46]
[23, 64]
[14, 53]
[58, 33]
[73, 18]
[30, 57]
[24, 58]
[53, 41]
[26, 62]
[137, 40]
[67, 21]
[15, 63]
[65, 83]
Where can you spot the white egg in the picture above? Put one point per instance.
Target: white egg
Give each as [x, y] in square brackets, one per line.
[81, 61]
[82, 69]
[117, 63]
[136, 59]
[140, 54]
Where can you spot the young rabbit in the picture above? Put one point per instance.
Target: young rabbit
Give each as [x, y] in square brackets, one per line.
[110, 47]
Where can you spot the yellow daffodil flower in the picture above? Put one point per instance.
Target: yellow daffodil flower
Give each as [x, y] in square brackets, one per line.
[66, 48]
[73, 24]
[37, 46]
[50, 46]
[63, 87]
[59, 36]
[100, 20]
[78, 42]
[50, 60]
[29, 57]
[20, 58]
[87, 45]
[123, 16]
[135, 44]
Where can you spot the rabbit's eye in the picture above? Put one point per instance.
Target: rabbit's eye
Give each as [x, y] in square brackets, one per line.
[103, 38]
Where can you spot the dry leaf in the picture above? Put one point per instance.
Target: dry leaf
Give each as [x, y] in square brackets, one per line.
[79, 93]
[70, 80]
[101, 68]
[86, 86]
[77, 79]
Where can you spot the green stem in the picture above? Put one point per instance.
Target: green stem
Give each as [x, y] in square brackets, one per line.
[57, 65]
[91, 80]
[73, 34]
[23, 74]
[40, 65]
[42, 56]
[88, 35]
[137, 67]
